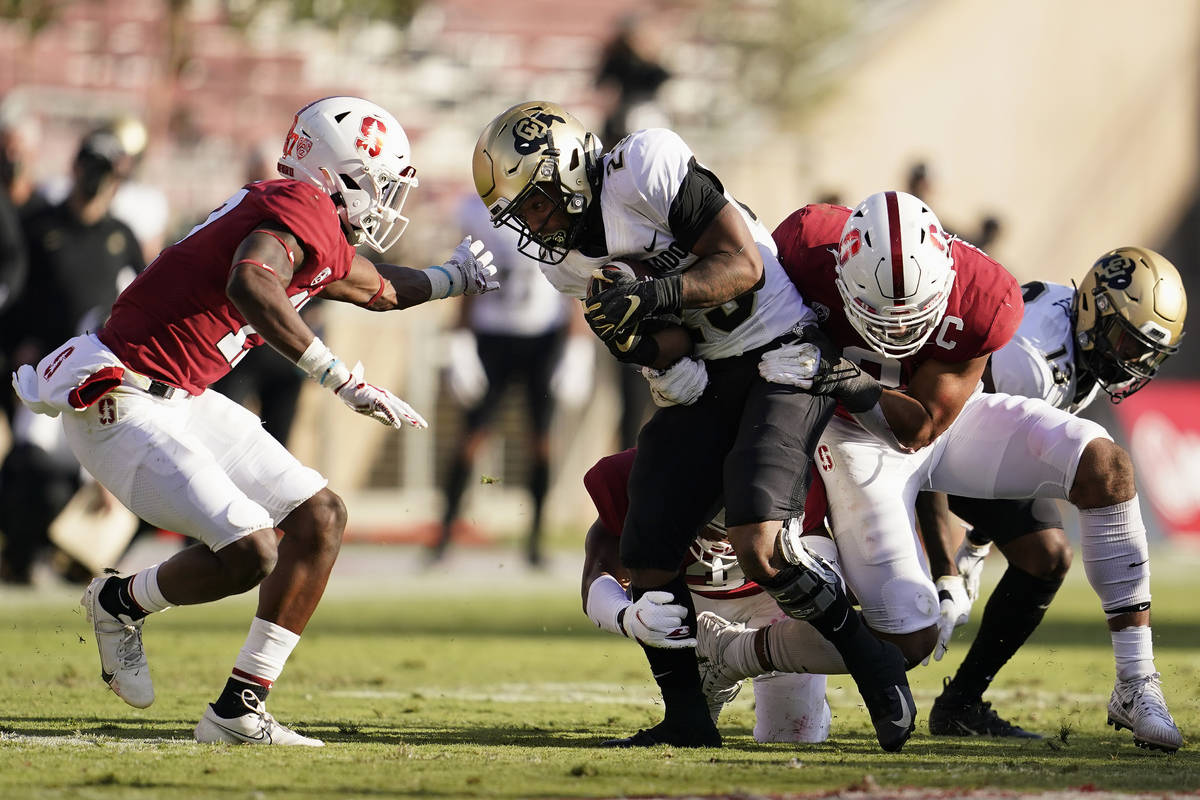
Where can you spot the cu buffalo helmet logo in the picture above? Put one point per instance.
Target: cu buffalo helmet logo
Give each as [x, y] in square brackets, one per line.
[1115, 271]
[531, 133]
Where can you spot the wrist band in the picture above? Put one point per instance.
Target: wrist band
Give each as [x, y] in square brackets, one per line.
[377, 294]
[441, 285]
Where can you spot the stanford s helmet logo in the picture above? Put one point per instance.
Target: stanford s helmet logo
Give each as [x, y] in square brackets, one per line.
[850, 245]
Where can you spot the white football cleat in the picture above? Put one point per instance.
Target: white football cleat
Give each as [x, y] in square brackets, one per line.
[1139, 705]
[122, 658]
[255, 727]
[713, 635]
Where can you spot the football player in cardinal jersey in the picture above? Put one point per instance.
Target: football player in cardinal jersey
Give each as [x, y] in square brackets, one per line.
[714, 268]
[136, 409]
[1110, 334]
[921, 313]
[788, 707]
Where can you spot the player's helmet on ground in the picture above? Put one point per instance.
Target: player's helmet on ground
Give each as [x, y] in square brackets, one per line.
[894, 272]
[1129, 313]
[359, 154]
[537, 149]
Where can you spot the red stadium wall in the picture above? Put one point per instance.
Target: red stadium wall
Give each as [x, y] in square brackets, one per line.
[1162, 427]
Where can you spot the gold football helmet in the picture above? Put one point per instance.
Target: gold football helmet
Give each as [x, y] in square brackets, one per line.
[1129, 314]
[533, 154]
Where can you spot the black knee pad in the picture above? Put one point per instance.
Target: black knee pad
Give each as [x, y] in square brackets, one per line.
[802, 593]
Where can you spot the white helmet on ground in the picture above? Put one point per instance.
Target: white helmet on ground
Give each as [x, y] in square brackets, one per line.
[894, 272]
[357, 153]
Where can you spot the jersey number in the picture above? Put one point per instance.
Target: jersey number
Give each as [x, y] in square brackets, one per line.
[880, 367]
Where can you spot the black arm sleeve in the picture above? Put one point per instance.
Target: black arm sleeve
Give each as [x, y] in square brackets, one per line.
[700, 198]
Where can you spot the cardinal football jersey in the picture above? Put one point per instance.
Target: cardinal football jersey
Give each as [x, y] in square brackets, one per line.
[1040, 359]
[175, 323]
[711, 568]
[983, 313]
[655, 201]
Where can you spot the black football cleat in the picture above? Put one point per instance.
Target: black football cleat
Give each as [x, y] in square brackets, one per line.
[894, 715]
[674, 735]
[883, 683]
[953, 715]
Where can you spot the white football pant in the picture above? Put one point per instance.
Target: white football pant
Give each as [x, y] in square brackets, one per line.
[1001, 446]
[201, 466]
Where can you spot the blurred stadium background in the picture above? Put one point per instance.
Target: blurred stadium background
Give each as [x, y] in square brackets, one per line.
[1075, 124]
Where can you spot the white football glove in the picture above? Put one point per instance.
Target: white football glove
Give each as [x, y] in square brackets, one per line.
[469, 269]
[655, 621]
[681, 384]
[955, 611]
[969, 561]
[794, 364]
[464, 372]
[378, 404]
[571, 381]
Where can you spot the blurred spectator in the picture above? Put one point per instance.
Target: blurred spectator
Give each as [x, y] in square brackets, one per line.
[264, 379]
[990, 228]
[18, 132]
[631, 76]
[918, 184]
[16, 191]
[518, 335]
[81, 258]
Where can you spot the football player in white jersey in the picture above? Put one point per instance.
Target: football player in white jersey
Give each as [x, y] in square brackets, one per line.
[713, 266]
[1110, 334]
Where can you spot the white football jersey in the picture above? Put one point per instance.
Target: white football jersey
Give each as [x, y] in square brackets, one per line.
[643, 175]
[1039, 361]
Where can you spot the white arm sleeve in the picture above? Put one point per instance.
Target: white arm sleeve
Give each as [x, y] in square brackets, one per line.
[605, 602]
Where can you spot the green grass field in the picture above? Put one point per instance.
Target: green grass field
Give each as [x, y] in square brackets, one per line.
[423, 688]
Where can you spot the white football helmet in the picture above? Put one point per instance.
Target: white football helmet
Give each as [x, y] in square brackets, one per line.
[357, 153]
[894, 272]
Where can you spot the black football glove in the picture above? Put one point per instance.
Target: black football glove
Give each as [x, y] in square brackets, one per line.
[617, 303]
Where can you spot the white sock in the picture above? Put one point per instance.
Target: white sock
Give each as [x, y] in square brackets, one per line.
[1115, 556]
[145, 592]
[796, 646]
[265, 652]
[1134, 652]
